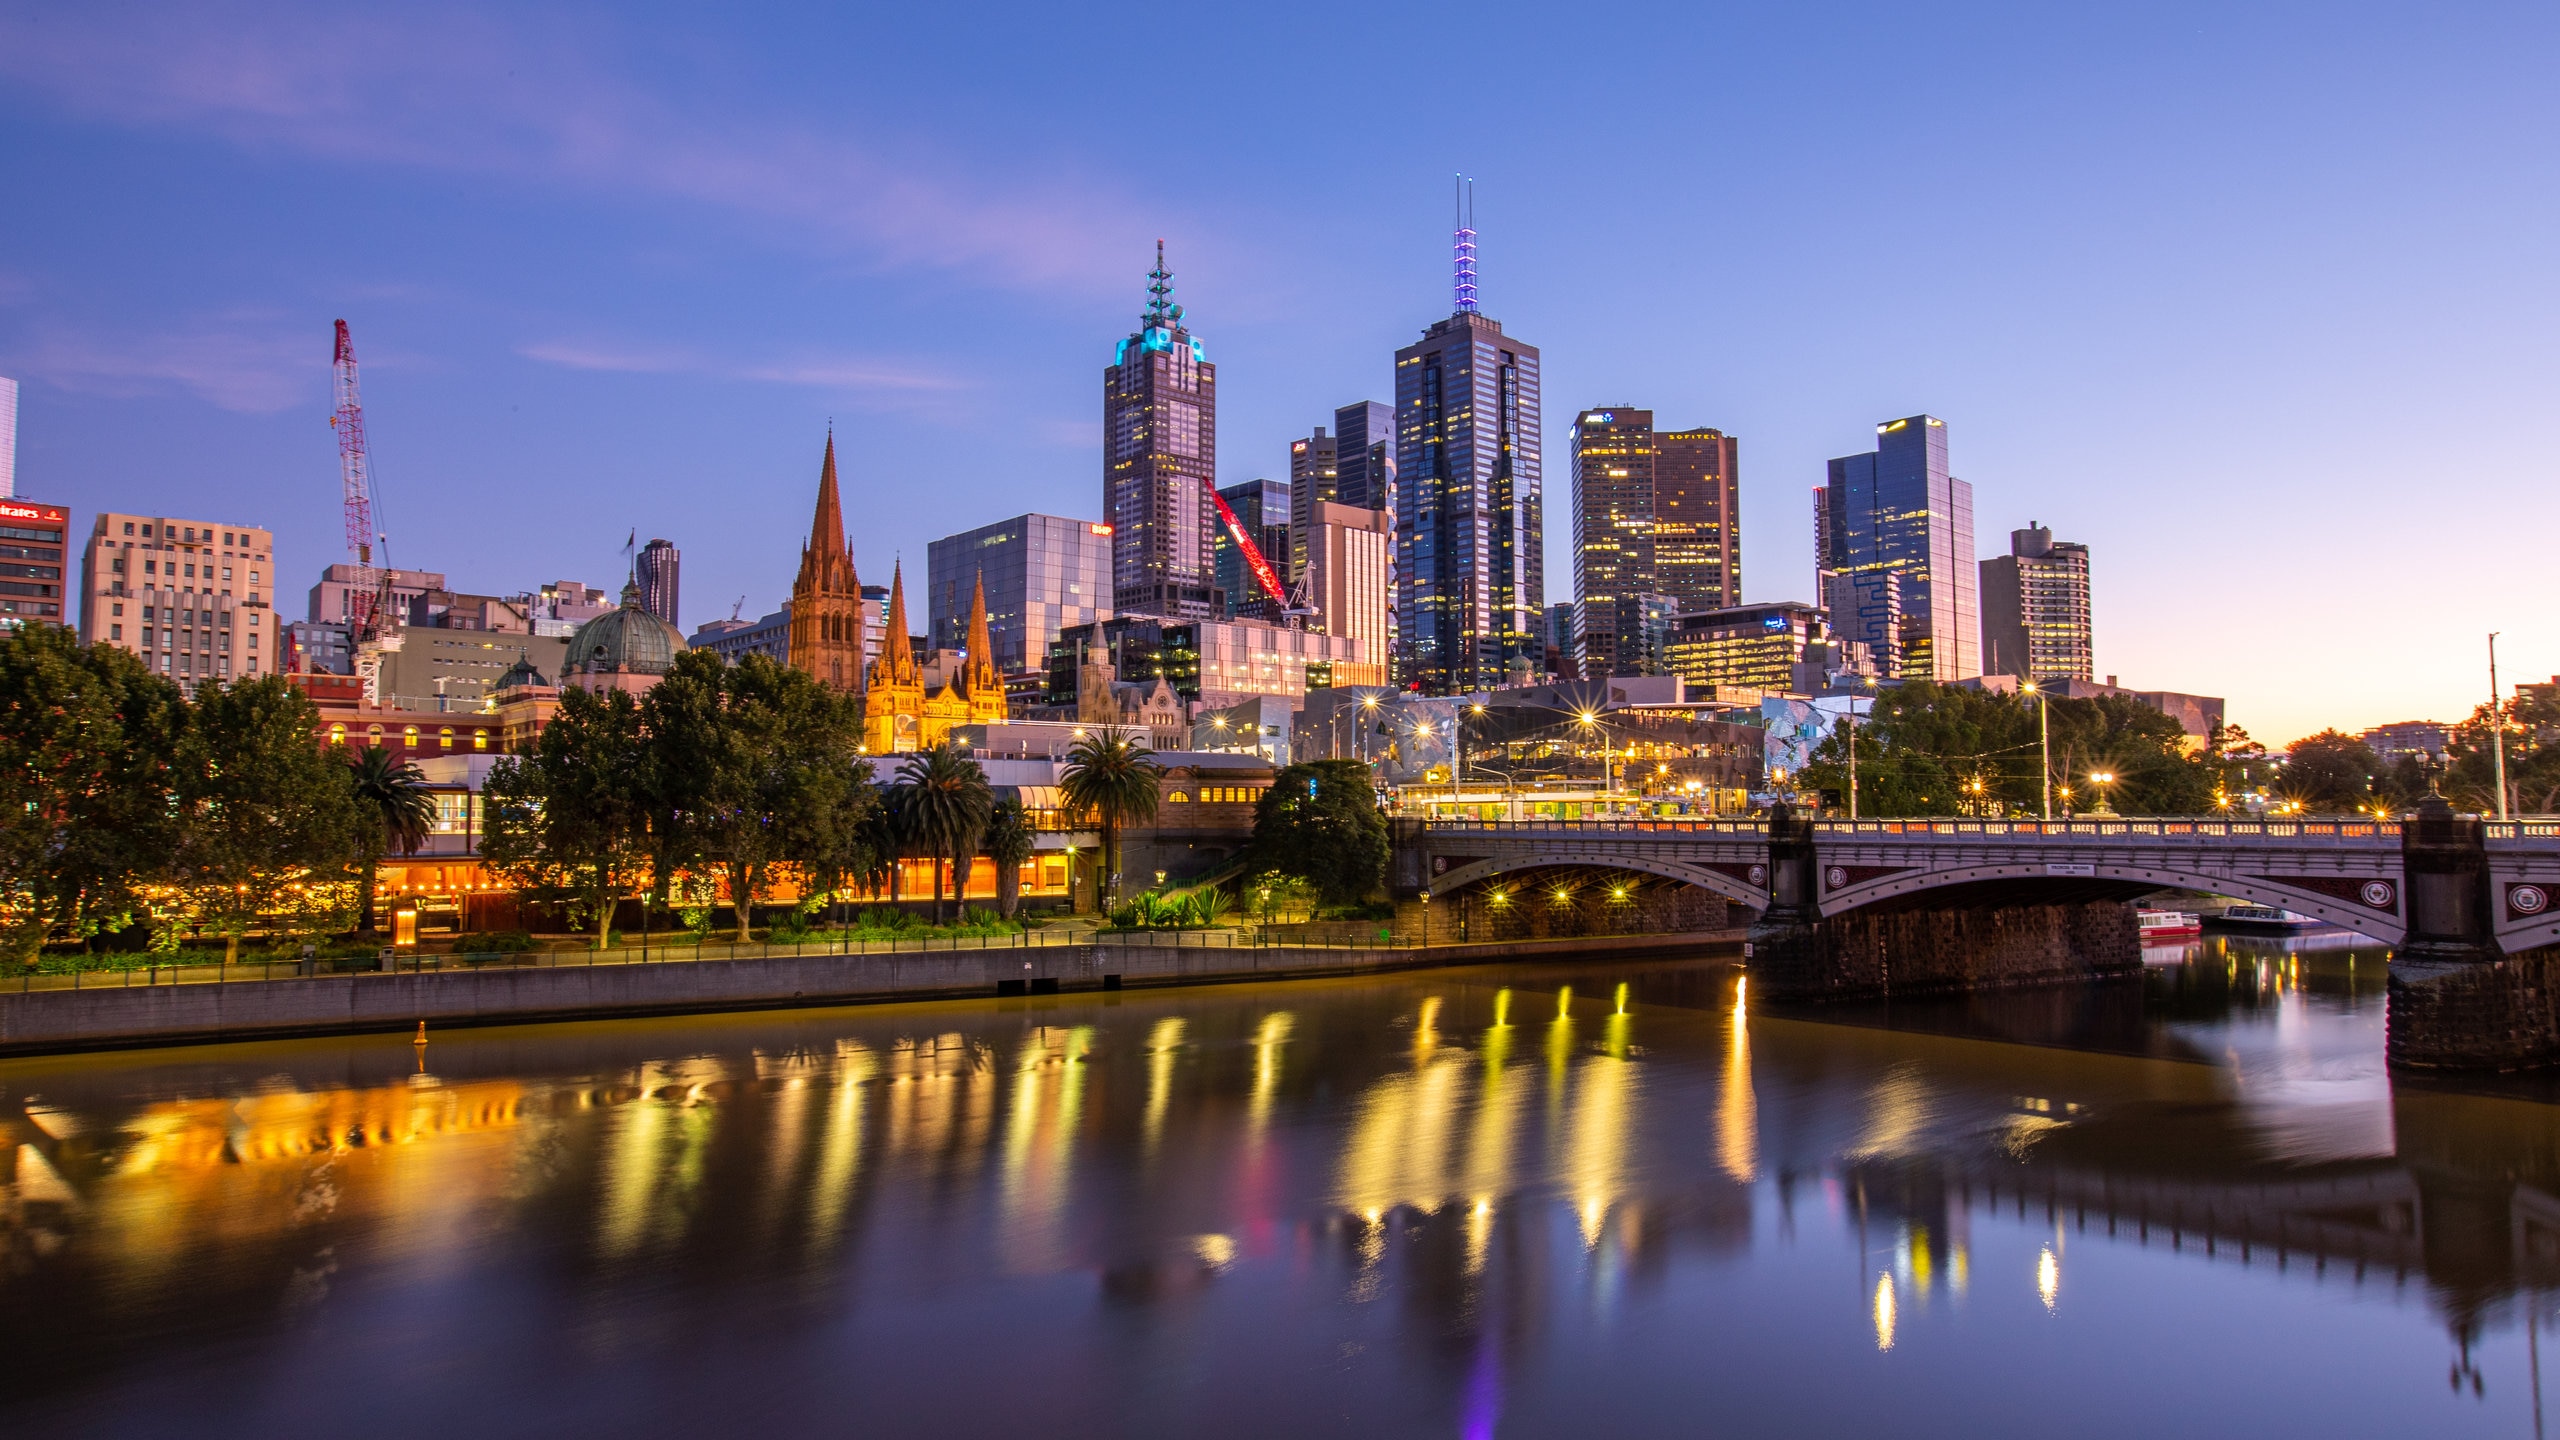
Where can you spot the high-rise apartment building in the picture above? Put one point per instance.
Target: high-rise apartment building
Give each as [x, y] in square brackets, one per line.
[656, 571]
[1470, 568]
[1655, 527]
[194, 600]
[1262, 508]
[2035, 609]
[1160, 456]
[1364, 449]
[1043, 574]
[32, 544]
[1697, 519]
[1315, 476]
[1896, 511]
[1613, 474]
[1347, 573]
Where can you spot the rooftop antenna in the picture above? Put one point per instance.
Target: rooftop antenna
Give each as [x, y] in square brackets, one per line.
[1162, 313]
[1464, 245]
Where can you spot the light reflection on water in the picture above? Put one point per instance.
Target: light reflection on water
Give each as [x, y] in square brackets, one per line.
[1557, 1200]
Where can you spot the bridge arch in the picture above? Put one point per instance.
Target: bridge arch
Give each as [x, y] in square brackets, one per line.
[2148, 873]
[1714, 881]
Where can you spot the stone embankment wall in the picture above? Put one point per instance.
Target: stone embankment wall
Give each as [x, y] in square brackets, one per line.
[1879, 952]
[2476, 1015]
[56, 1020]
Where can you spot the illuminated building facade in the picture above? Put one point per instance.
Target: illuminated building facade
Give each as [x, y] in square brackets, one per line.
[1470, 568]
[1160, 456]
[1041, 573]
[1896, 512]
[826, 597]
[194, 600]
[2035, 609]
[1613, 471]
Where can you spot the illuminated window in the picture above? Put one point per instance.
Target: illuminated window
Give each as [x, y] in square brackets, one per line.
[1179, 797]
[373, 734]
[479, 739]
[337, 734]
[444, 738]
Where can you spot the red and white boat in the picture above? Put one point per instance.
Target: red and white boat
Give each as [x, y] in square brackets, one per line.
[2166, 925]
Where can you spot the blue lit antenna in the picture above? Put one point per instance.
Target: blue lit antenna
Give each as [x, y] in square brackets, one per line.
[1465, 245]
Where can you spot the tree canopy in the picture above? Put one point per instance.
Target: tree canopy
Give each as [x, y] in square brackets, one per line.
[1320, 821]
[1929, 749]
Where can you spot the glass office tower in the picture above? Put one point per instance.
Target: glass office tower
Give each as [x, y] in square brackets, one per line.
[1896, 512]
[1160, 454]
[1470, 567]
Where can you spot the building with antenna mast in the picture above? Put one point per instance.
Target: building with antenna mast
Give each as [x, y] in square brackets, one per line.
[1470, 569]
[1160, 460]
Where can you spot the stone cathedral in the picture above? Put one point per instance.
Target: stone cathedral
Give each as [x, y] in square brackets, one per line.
[826, 600]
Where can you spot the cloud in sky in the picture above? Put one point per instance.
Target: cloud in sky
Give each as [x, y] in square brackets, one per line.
[252, 363]
[854, 377]
[463, 92]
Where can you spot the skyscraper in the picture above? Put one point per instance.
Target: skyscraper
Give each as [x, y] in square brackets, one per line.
[1160, 455]
[1470, 575]
[2035, 609]
[1613, 477]
[1697, 519]
[1346, 575]
[1262, 508]
[1364, 445]
[1895, 511]
[8, 439]
[657, 575]
[826, 597]
[1314, 478]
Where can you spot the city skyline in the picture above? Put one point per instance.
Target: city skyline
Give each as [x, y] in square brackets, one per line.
[170, 337]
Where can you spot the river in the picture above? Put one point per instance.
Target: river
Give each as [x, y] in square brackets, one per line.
[1519, 1201]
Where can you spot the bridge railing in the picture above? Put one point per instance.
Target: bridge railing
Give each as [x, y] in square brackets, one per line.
[2145, 827]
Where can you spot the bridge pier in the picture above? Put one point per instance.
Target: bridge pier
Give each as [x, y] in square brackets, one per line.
[2458, 1000]
[1797, 952]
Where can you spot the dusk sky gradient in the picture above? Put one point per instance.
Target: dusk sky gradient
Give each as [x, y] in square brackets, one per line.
[2257, 301]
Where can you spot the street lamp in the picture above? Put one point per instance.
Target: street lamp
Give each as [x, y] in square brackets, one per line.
[2044, 747]
[2102, 779]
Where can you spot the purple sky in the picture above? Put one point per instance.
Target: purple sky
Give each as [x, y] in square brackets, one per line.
[2256, 301]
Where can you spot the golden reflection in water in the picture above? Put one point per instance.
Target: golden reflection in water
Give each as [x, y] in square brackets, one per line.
[1040, 1134]
[2048, 1277]
[1884, 1312]
[1162, 1044]
[1738, 1110]
[1897, 1110]
[1268, 1040]
[1479, 1235]
[654, 1153]
[1502, 1006]
[1426, 1028]
[1596, 1154]
[1498, 1098]
[792, 1079]
[1398, 1149]
[840, 1149]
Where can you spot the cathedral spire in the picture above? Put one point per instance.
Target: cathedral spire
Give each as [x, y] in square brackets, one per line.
[897, 652]
[826, 528]
[984, 679]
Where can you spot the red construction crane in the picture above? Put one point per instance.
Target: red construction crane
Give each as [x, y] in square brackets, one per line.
[1263, 574]
[363, 601]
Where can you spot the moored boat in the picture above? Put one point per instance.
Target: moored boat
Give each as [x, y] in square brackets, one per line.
[2169, 925]
[2261, 919]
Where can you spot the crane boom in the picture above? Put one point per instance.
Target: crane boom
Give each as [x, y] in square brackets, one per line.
[369, 592]
[1263, 574]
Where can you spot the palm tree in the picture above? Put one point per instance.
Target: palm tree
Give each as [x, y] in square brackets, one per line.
[1008, 844]
[394, 813]
[944, 799]
[1112, 777]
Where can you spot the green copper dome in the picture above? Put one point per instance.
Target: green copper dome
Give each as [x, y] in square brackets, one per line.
[628, 641]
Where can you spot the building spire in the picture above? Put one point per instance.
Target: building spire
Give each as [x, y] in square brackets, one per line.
[983, 676]
[1463, 246]
[897, 651]
[1161, 311]
[826, 528]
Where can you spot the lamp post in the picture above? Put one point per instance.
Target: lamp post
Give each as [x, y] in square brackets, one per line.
[2497, 726]
[2044, 748]
[2101, 779]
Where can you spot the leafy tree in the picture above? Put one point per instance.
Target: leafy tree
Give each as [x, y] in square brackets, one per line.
[264, 805]
[944, 798]
[1009, 843]
[1111, 776]
[1275, 893]
[88, 746]
[394, 812]
[567, 819]
[2331, 773]
[1320, 820]
[2532, 737]
[760, 762]
[1931, 749]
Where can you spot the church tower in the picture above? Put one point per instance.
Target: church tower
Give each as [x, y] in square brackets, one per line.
[826, 599]
[981, 680]
[893, 710]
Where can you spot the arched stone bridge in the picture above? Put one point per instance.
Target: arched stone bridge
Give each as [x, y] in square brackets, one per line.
[1851, 908]
[2348, 873]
